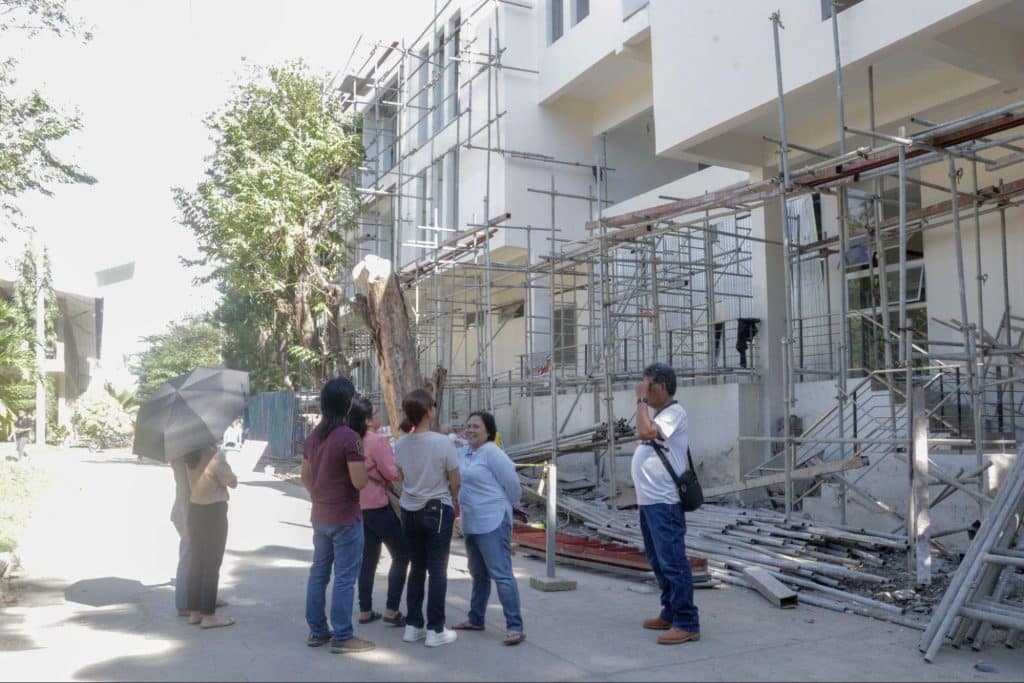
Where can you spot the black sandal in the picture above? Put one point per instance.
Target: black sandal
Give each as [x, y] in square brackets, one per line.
[397, 620]
[374, 616]
[467, 626]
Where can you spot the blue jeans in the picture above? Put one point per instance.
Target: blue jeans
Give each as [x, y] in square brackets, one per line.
[340, 547]
[490, 557]
[429, 534]
[664, 530]
[181, 578]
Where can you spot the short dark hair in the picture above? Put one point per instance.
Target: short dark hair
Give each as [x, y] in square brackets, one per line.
[489, 424]
[660, 373]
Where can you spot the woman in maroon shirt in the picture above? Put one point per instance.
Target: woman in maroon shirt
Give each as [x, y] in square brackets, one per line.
[333, 472]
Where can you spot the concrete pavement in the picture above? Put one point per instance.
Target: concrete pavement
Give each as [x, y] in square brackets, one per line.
[96, 604]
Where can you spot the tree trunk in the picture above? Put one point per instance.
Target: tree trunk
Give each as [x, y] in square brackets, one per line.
[379, 300]
[437, 388]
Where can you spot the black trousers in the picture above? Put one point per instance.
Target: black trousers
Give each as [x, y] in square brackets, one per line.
[382, 526]
[429, 533]
[208, 533]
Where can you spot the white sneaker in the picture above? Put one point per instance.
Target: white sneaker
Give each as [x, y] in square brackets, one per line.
[412, 634]
[436, 639]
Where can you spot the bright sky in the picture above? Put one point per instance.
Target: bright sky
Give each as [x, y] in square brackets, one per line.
[143, 85]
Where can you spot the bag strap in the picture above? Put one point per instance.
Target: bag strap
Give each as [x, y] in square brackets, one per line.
[660, 450]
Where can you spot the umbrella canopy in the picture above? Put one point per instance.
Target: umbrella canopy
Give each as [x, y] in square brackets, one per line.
[190, 412]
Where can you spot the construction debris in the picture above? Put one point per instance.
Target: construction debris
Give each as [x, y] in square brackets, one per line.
[977, 596]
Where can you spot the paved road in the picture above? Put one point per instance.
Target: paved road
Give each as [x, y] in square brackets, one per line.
[96, 604]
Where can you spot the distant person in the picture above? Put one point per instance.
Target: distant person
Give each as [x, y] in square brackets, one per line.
[334, 472]
[430, 471]
[233, 434]
[381, 523]
[209, 478]
[22, 430]
[489, 491]
[662, 520]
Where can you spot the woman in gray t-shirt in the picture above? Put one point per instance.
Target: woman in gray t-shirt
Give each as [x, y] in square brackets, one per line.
[430, 472]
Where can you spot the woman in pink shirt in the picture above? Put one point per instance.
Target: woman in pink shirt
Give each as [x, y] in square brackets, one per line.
[381, 525]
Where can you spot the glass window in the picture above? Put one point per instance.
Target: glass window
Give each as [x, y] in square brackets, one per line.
[556, 20]
[565, 336]
[581, 9]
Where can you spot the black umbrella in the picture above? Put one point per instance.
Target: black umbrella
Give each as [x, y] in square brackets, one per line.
[190, 412]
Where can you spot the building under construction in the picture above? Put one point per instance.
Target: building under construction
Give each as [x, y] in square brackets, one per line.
[812, 216]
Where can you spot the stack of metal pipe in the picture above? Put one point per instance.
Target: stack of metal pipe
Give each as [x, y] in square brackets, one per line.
[582, 440]
[829, 567]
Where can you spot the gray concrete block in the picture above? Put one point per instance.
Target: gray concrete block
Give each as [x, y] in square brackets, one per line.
[548, 585]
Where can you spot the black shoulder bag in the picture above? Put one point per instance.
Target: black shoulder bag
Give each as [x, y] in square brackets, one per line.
[691, 495]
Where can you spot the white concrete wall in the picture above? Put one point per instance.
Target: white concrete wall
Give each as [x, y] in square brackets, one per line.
[728, 43]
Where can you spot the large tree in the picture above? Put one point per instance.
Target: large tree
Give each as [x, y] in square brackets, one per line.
[17, 388]
[182, 347]
[29, 125]
[273, 218]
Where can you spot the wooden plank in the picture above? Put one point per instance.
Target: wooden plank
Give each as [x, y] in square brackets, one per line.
[856, 462]
[771, 588]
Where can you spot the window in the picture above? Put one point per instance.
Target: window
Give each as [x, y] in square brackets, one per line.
[453, 68]
[437, 76]
[580, 10]
[556, 20]
[564, 351]
[422, 108]
[451, 168]
[841, 5]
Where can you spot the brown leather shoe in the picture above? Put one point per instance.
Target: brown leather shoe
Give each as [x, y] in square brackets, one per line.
[677, 636]
[657, 624]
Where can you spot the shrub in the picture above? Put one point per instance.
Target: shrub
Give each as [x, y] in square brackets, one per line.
[99, 417]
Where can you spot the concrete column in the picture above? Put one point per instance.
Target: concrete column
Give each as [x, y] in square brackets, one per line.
[769, 305]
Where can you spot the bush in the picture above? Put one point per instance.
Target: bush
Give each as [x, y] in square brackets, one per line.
[56, 434]
[98, 417]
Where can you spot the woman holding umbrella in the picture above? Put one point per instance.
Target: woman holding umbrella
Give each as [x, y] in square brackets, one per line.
[209, 476]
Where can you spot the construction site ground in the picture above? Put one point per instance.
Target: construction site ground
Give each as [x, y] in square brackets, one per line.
[93, 601]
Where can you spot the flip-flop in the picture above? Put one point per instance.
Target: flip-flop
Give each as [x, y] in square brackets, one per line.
[467, 626]
[374, 616]
[397, 620]
[228, 621]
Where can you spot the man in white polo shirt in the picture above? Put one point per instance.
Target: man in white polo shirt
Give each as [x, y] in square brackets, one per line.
[662, 520]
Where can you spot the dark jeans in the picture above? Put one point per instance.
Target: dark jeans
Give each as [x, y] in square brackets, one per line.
[22, 442]
[664, 530]
[208, 534]
[382, 526]
[339, 548]
[429, 534]
[181, 577]
[490, 558]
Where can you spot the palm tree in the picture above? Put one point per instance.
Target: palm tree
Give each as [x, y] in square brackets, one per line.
[16, 361]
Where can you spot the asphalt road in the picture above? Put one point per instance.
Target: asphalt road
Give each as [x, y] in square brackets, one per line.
[95, 602]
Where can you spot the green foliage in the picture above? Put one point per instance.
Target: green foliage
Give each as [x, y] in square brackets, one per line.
[273, 220]
[29, 125]
[98, 417]
[56, 434]
[126, 398]
[16, 361]
[30, 279]
[20, 486]
[184, 346]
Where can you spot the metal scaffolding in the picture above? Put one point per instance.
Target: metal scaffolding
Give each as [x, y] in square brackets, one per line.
[674, 282]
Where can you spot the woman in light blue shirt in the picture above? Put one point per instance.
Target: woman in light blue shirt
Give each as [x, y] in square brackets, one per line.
[490, 489]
